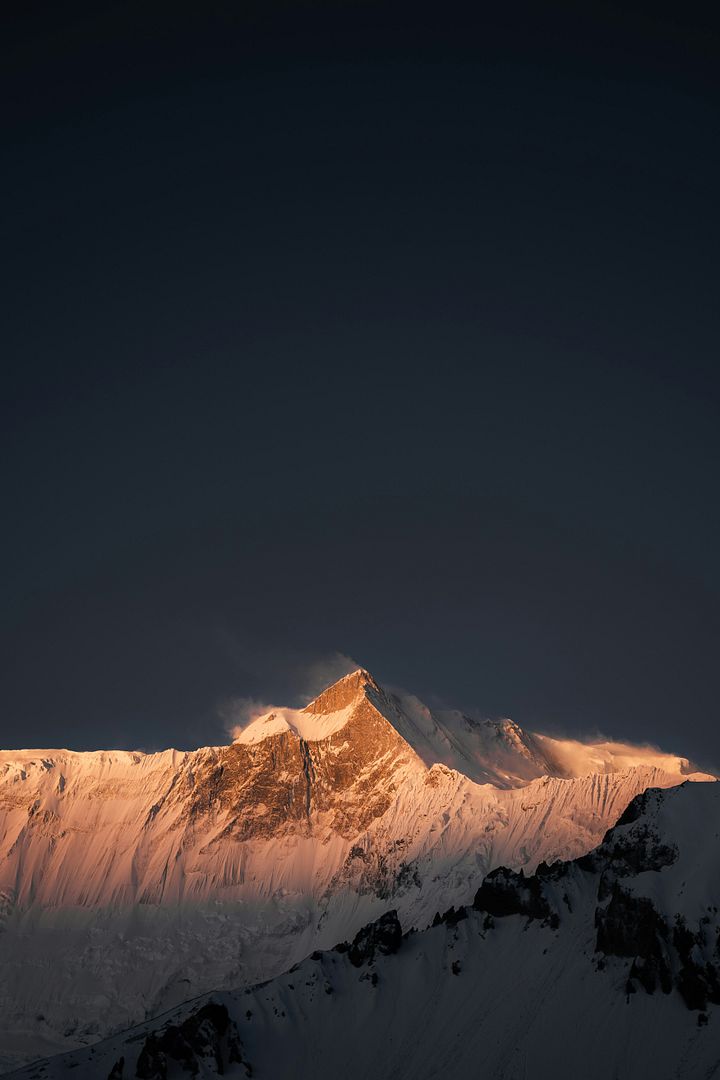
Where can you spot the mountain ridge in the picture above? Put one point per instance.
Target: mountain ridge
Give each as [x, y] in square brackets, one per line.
[128, 879]
[601, 966]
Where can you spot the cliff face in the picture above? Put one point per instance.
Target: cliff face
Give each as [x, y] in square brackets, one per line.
[286, 783]
[112, 828]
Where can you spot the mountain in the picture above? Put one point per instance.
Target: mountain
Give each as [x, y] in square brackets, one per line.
[604, 966]
[130, 882]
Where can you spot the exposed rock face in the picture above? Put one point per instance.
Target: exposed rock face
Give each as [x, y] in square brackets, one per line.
[629, 926]
[383, 936]
[698, 979]
[208, 1037]
[504, 892]
[625, 852]
[664, 952]
[280, 785]
[451, 917]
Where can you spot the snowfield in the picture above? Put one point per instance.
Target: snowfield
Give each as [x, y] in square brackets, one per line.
[527, 982]
[132, 882]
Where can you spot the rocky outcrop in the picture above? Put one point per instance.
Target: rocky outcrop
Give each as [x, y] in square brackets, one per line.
[663, 953]
[280, 785]
[698, 979]
[208, 1037]
[384, 936]
[629, 926]
[625, 852]
[451, 917]
[503, 892]
[384, 872]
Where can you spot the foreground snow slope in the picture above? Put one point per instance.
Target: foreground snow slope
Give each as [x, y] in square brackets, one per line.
[130, 882]
[604, 967]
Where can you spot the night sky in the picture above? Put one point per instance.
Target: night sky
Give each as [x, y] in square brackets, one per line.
[359, 330]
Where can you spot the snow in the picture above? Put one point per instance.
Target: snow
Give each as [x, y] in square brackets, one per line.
[508, 1001]
[576, 758]
[121, 894]
[312, 727]
[503, 754]
[692, 828]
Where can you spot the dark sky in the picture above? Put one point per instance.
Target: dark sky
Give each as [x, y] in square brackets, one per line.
[369, 329]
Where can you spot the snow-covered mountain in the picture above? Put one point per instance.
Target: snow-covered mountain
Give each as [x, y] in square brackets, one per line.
[606, 966]
[131, 882]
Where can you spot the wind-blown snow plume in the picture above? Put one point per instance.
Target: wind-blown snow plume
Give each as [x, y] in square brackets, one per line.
[311, 679]
[323, 672]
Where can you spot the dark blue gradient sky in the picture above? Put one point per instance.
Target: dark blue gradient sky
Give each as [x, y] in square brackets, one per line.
[363, 329]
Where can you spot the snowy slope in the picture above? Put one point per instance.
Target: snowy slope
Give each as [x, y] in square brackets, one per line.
[130, 882]
[603, 967]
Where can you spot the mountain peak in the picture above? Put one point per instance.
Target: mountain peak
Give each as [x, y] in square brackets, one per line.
[342, 693]
[324, 716]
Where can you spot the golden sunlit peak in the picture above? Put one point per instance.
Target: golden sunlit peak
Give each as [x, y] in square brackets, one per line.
[343, 692]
